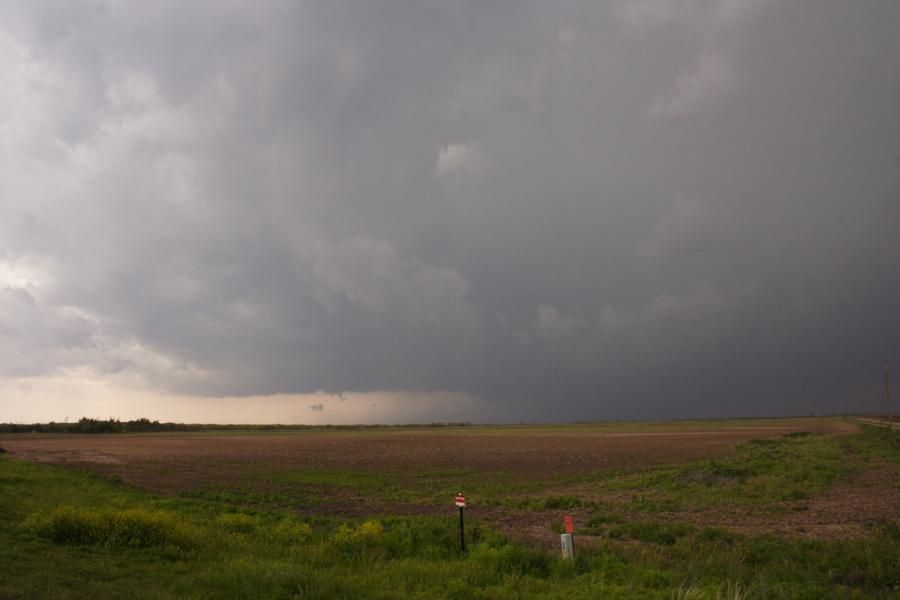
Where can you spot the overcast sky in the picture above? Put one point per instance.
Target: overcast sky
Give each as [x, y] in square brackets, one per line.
[445, 209]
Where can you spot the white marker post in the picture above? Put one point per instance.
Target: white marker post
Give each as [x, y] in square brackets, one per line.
[461, 505]
[567, 540]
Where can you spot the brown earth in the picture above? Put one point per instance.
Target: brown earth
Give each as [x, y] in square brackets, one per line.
[174, 462]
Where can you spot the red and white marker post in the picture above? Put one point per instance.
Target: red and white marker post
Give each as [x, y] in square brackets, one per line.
[461, 505]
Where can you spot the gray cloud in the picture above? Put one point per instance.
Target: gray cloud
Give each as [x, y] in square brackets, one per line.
[577, 210]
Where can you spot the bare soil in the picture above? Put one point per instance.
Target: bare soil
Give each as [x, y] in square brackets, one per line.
[204, 455]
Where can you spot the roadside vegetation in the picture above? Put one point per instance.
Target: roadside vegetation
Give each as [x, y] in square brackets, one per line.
[69, 533]
[762, 473]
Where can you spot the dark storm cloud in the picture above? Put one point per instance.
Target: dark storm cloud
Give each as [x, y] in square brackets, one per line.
[572, 210]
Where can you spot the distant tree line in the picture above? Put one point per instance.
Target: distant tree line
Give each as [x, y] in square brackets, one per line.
[87, 425]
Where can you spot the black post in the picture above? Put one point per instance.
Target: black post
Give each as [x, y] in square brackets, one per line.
[462, 531]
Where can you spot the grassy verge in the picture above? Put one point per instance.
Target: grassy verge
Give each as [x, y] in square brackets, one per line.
[71, 534]
[762, 473]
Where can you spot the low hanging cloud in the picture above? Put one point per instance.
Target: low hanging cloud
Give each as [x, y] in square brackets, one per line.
[703, 15]
[559, 332]
[712, 78]
[691, 226]
[569, 211]
[460, 160]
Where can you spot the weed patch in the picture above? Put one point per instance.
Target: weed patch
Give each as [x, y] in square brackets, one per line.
[133, 528]
[353, 540]
[716, 534]
[291, 531]
[762, 472]
[596, 524]
[648, 531]
[512, 559]
[237, 522]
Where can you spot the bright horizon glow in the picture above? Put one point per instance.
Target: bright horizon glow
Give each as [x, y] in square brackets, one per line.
[72, 395]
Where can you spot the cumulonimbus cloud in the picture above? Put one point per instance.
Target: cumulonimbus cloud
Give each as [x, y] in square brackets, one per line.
[450, 199]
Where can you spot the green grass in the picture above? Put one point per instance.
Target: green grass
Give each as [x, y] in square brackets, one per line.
[761, 473]
[314, 487]
[67, 533]
[317, 477]
[649, 531]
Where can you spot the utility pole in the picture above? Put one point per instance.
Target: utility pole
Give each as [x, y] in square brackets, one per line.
[887, 394]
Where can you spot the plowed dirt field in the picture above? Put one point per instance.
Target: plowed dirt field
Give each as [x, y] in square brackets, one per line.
[191, 457]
